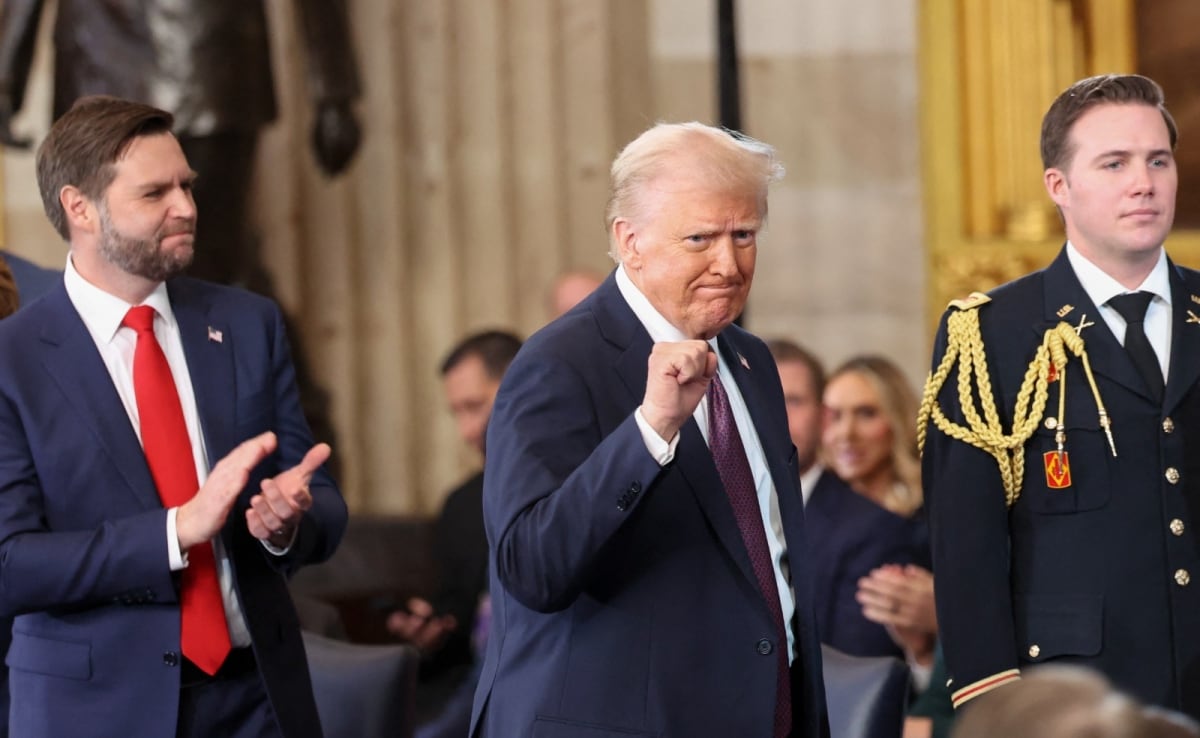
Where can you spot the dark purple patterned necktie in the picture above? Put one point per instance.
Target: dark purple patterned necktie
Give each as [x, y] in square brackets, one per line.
[734, 468]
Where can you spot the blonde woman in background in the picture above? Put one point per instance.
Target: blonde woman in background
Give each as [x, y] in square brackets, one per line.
[869, 440]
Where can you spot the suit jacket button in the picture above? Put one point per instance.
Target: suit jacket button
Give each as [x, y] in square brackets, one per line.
[1168, 425]
[764, 647]
[170, 658]
[1034, 651]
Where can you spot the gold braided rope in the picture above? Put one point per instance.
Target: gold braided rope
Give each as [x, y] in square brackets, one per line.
[965, 347]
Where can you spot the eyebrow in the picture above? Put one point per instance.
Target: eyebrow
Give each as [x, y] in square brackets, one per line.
[1126, 154]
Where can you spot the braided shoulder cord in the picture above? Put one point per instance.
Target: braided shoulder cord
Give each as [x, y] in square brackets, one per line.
[965, 348]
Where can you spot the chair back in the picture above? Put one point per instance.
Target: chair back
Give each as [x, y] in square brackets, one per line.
[867, 696]
[363, 691]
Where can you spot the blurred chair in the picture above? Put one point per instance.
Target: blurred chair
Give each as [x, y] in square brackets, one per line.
[363, 691]
[866, 695]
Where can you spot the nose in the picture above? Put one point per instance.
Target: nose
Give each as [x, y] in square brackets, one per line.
[1143, 180]
[183, 204]
[724, 257]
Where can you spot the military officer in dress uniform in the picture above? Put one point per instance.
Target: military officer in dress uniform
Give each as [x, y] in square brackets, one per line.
[1057, 425]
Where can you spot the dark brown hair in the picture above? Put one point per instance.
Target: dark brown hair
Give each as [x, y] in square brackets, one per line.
[784, 350]
[496, 349]
[1106, 89]
[85, 143]
[9, 301]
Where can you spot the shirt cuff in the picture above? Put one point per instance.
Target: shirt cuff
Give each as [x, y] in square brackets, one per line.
[662, 451]
[276, 550]
[176, 557]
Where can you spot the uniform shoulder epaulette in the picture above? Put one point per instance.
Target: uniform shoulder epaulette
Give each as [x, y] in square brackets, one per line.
[974, 300]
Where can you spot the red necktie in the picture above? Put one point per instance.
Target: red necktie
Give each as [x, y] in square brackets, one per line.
[733, 467]
[205, 636]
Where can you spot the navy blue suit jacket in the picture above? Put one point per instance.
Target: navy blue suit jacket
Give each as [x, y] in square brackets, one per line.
[32, 280]
[83, 551]
[1105, 572]
[848, 536]
[623, 599]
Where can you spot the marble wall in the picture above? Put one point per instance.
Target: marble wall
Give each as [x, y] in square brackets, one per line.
[490, 125]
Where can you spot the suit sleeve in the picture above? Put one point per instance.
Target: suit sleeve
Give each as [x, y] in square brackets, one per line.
[332, 69]
[556, 488]
[970, 537]
[121, 560]
[18, 37]
[322, 526]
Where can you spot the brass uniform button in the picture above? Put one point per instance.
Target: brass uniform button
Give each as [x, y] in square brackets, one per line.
[1051, 422]
[1168, 425]
[1182, 577]
[1177, 527]
[1034, 650]
[1172, 475]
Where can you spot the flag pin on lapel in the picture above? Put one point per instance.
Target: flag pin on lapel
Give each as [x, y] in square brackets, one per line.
[743, 361]
[215, 335]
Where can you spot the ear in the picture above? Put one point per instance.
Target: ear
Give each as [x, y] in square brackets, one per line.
[625, 237]
[81, 213]
[1057, 185]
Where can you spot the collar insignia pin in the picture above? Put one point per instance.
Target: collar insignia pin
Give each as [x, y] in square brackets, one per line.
[1083, 323]
[1196, 299]
[1191, 318]
[1064, 310]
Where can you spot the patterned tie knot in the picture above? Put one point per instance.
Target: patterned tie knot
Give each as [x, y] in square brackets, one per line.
[140, 318]
[1132, 306]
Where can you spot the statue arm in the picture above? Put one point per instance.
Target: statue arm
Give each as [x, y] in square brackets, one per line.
[333, 82]
[18, 37]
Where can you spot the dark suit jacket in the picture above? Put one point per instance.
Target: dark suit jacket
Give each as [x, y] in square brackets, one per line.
[32, 280]
[1104, 572]
[207, 62]
[848, 536]
[623, 599]
[460, 550]
[83, 559]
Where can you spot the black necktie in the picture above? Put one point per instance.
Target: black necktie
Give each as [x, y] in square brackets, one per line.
[1132, 307]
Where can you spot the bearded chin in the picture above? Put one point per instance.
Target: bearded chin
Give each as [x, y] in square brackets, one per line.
[144, 258]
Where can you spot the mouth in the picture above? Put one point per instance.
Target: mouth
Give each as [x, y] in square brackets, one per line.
[1141, 214]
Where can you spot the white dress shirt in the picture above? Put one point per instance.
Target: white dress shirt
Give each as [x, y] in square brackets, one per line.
[102, 313]
[1101, 288]
[661, 330]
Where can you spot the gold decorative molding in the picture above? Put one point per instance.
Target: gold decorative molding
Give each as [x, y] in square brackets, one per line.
[988, 72]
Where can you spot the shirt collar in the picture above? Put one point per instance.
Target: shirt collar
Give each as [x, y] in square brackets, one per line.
[103, 312]
[1101, 287]
[659, 328]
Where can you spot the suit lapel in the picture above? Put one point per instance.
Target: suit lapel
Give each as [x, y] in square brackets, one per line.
[1105, 353]
[1185, 339]
[619, 325]
[208, 347]
[69, 356]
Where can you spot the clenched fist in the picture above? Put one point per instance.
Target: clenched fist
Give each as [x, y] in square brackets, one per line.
[677, 377]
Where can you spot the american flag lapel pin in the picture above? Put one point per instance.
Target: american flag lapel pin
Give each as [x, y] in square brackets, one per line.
[215, 335]
[742, 360]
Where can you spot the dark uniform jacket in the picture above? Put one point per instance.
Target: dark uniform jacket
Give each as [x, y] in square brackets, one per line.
[1105, 572]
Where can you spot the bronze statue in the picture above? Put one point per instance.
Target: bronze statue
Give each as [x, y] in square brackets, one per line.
[208, 62]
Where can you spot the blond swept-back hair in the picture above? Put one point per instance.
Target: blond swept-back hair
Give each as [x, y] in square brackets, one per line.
[898, 400]
[722, 157]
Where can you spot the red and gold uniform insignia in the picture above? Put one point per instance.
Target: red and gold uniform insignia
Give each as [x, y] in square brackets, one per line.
[1058, 469]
